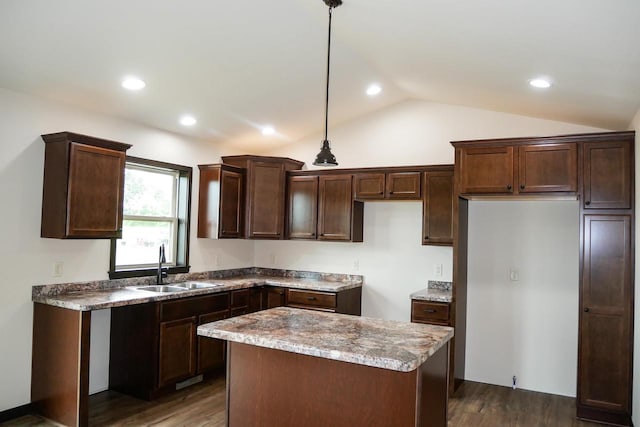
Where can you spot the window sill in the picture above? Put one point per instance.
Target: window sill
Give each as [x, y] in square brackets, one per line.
[127, 274]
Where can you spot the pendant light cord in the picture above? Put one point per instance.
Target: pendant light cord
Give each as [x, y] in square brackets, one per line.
[326, 104]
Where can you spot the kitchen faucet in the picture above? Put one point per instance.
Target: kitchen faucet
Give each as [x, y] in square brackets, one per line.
[161, 259]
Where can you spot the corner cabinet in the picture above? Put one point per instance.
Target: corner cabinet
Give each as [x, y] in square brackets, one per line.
[264, 193]
[220, 201]
[83, 187]
[322, 208]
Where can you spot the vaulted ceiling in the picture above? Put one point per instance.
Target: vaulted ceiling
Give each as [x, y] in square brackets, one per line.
[239, 65]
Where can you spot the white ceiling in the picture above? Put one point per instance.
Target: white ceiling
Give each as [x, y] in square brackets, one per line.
[240, 64]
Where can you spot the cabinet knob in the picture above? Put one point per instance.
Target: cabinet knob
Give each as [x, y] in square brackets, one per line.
[311, 298]
[380, 192]
[588, 202]
[509, 187]
[429, 310]
[522, 186]
[426, 237]
[586, 309]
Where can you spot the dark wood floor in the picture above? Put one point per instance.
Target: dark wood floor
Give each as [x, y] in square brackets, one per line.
[475, 405]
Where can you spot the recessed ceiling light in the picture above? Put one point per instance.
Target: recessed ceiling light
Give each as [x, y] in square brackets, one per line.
[133, 83]
[540, 83]
[268, 130]
[187, 121]
[374, 89]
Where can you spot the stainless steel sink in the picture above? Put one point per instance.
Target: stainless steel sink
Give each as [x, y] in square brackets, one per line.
[195, 285]
[162, 288]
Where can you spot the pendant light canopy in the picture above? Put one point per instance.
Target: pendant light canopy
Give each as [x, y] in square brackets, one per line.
[325, 157]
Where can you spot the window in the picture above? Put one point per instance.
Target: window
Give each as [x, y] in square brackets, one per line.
[155, 212]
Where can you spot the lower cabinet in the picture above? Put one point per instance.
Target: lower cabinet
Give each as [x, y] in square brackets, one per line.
[154, 346]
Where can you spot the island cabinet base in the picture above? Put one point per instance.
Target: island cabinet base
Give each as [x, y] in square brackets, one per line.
[268, 387]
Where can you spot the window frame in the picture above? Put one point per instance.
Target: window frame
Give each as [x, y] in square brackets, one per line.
[181, 228]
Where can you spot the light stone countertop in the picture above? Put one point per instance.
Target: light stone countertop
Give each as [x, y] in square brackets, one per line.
[436, 291]
[95, 296]
[387, 344]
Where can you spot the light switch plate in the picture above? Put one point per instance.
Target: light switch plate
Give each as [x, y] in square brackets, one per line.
[514, 275]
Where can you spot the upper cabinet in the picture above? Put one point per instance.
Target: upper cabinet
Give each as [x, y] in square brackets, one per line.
[83, 187]
[322, 208]
[437, 208]
[518, 169]
[265, 193]
[607, 174]
[389, 185]
[220, 201]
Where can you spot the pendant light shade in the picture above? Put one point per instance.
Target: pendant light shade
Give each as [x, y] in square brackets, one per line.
[325, 157]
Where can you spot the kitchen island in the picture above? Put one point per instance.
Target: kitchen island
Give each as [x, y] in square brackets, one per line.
[292, 367]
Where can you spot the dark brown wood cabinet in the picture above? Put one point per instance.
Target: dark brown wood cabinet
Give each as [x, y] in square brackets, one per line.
[323, 208]
[515, 167]
[599, 169]
[404, 185]
[220, 201]
[274, 297]
[486, 170]
[302, 207]
[548, 168]
[345, 302]
[339, 216]
[608, 174]
[437, 208]
[83, 187]
[211, 351]
[177, 358]
[431, 313]
[606, 319]
[264, 193]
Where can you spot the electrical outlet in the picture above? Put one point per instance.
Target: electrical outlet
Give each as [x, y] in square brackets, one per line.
[514, 382]
[272, 259]
[356, 265]
[58, 269]
[514, 275]
[437, 270]
[217, 260]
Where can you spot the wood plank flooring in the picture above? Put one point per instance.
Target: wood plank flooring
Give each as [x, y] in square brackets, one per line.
[474, 405]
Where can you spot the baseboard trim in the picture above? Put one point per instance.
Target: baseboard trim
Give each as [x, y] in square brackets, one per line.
[17, 412]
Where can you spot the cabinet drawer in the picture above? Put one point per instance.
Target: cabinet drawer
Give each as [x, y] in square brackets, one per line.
[187, 307]
[430, 312]
[240, 298]
[311, 299]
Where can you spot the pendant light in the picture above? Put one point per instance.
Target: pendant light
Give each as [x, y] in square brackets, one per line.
[325, 157]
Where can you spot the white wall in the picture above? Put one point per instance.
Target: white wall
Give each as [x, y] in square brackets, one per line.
[635, 125]
[529, 327]
[26, 259]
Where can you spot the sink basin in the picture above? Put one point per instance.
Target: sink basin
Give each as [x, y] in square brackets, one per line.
[162, 288]
[195, 285]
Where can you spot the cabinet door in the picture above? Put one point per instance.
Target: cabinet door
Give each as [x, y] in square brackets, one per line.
[607, 175]
[334, 208]
[230, 204]
[95, 192]
[486, 170]
[302, 218]
[211, 351]
[369, 186]
[548, 168]
[177, 350]
[266, 200]
[403, 185]
[275, 297]
[604, 362]
[437, 208]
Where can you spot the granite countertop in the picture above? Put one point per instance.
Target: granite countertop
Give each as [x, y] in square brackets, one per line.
[387, 344]
[435, 292]
[107, 294]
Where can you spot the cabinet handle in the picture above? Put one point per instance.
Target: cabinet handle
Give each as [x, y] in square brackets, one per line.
[586, 309]
[588, 202]
[509, 187]
[429, 310]
[522, 186]
[311, 298]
